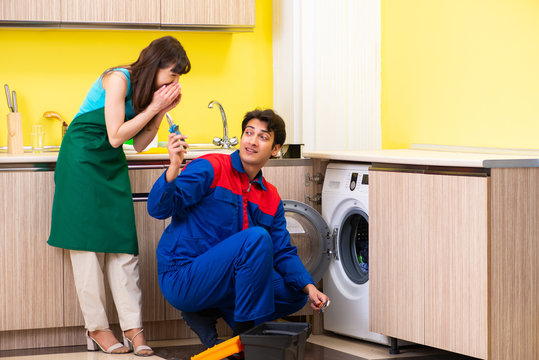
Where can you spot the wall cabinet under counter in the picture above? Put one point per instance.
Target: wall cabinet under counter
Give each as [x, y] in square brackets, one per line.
[454, 259]
[31, 281]
[228, 14]
[39, 305]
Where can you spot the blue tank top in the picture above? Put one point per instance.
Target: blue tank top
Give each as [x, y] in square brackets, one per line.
[95, 99]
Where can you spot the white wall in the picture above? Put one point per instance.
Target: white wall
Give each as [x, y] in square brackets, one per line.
[326, 58]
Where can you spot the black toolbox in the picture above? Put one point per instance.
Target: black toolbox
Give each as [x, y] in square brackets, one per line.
[276, 341]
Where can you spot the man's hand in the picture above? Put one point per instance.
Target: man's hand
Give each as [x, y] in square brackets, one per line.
[316, 297]
[177, 148]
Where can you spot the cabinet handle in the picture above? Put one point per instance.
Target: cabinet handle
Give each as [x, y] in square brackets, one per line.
[140, 197]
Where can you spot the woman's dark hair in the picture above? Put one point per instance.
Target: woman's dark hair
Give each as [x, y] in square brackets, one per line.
[274, 122]
[160, 54]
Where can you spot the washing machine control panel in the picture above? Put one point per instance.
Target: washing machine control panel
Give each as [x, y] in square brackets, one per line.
[355, 177]
[347, 180]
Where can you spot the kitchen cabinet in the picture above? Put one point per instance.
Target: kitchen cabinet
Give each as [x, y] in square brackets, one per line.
[149, 231]
[105, 11]
[30, 10]
[451, 255]
[40, 300]
[208, 12]
[31, 278]
[129, 13]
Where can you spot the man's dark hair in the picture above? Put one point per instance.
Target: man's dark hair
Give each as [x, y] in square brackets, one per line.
[274, 122]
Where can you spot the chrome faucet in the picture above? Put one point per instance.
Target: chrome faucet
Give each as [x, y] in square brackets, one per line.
[225, 142]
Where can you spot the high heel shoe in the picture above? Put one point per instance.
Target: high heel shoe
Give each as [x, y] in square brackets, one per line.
[93, 345]
[139, 350]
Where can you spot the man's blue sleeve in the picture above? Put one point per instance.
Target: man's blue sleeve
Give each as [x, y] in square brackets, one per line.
[166, 199]
[286, 260]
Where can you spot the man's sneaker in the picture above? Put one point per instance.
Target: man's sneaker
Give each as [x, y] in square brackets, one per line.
[203, 324]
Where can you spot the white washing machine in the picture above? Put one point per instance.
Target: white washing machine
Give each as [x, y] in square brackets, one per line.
[338, 249]
[345, 207]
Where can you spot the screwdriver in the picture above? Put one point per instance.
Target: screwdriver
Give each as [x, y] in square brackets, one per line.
[173, 128]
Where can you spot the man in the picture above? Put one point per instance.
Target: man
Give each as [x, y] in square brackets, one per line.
[227, 251]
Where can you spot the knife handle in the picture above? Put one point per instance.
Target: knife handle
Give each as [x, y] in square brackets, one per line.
[8, 96]
[14, 98]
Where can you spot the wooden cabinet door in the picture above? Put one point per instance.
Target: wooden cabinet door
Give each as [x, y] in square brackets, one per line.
[289, 181]
[208, 12]
[149, 231]
[429, 236]
[30, 10]
[106, 11]
[455, 233]
[396, 252]
[30, 270]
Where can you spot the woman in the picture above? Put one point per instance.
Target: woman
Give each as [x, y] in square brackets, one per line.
[93, 214]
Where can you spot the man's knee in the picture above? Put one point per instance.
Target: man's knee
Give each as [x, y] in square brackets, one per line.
[258, 238]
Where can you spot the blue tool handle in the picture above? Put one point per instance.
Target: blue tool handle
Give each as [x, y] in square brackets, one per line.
[174, 129]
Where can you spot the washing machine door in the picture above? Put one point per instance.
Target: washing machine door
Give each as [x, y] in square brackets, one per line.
[310, 233]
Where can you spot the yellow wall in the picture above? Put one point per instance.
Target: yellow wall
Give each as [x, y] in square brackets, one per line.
[460, 72]
[54, 69]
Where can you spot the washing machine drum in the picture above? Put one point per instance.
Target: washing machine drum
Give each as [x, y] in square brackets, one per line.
[310, 234]
[353, 246]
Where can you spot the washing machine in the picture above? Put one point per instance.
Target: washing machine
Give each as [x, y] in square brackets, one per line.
[335, 246]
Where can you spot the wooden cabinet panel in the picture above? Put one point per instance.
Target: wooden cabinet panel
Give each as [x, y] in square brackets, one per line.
[200, 13]
[397, 303]
[105, 11]
[149, 232]
[429, 237]
[30, 270]
[455, 225]
[208, 12]
[514, 264]
[289, 181]
[30, 10]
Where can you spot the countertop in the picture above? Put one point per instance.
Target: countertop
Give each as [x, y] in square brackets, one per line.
[52, 156]
[154, 157]
[438, 155]
[417, 154]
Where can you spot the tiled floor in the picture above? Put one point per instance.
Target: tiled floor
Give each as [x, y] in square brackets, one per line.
[318, 347]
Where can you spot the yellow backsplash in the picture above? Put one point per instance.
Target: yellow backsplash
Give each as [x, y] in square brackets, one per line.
[53, 69]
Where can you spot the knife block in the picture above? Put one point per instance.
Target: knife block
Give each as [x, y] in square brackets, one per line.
[15, 144]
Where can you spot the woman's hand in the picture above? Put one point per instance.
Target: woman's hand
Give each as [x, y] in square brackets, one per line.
[176, 152]
[174, 103]
[166, 98]
[316, 297]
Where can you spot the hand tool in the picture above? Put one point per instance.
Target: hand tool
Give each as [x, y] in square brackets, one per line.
[8, 96]
[173, 128]
[14, 99]
[323, 306]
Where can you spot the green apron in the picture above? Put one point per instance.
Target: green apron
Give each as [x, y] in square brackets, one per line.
[93, 206]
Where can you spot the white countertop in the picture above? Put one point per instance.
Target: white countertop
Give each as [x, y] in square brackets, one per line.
[51, 157]
[433, 155]
[430, 155]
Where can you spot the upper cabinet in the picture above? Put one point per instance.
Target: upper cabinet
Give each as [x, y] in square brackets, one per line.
[30, 10]
[154, 14]
[106, 11]
[208, 12]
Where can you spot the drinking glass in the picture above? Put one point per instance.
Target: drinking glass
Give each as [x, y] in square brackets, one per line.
[37, 138]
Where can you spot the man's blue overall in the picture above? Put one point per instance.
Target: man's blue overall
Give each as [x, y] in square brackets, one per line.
[227, 246]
